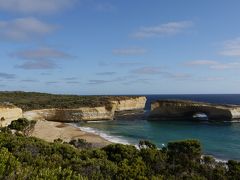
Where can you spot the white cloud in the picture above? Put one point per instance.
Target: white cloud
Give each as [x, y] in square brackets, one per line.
[222, 66]
[201, 62]
[44, 53]
[40, 58]
[231, 48]
[162, 72]
[148, 70]
[7, 76]
[211, 79]
[37, 65]
[22, 29]
[106, 73]
[36, 6]
[168, 29]
[129, 51]
[97, 81]
[178, 76]
[214, 64]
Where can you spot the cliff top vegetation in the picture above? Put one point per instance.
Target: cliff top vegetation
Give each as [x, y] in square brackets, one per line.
[6, 105]
[35, 100]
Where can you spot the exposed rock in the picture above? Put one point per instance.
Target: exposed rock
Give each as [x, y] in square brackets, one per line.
[130, 104]
[8, 113]
[86, 113]
[179, 109]
[70, 115]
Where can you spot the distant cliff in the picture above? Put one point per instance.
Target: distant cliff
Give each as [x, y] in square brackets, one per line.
[181, 109]
[70, 115]
[87, 113]
[8, 113]
[133, 103]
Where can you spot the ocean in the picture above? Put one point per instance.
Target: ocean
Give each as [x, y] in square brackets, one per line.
[219, 139]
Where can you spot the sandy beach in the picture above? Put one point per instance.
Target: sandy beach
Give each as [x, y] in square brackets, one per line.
[49, 131]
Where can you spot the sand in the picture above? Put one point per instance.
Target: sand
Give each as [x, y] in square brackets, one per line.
[49, 131]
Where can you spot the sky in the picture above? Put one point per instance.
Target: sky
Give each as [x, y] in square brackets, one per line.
[90, 47]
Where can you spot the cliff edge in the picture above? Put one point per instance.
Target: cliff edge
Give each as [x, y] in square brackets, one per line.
[181, 109]
[106, 112]
[8, 113]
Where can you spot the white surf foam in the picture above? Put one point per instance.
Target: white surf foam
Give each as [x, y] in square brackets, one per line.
[114, 139]
[216, 159]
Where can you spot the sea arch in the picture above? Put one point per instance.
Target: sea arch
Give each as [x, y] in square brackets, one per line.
[181, 109]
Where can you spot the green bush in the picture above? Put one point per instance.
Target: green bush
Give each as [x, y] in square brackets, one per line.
[21, 124]
[33, 100]
[24, 157]
[80, 143]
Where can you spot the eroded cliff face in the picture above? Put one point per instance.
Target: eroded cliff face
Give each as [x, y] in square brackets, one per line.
[8, 114]
[130, 104]
[86, 113]
[70, 115]
[179, 109]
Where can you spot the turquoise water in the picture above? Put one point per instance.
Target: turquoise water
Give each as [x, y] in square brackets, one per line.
[220, 139]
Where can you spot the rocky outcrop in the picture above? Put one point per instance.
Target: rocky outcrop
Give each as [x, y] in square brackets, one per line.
[70, 115]
[130, 104]
[179, 109]
[86, 113]
[8, 113]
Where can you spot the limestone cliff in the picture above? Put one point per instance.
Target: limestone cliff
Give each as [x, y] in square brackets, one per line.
[70, 115]
[8, 113]
[133, 103]
[87, 113]
[179, 109]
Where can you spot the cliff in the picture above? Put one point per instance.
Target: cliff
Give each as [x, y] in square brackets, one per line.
[179, 109]
[70, 115]
[8, 113]
[87, 113]
[133, 103]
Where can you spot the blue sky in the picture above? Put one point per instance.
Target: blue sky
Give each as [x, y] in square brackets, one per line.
[120, 47]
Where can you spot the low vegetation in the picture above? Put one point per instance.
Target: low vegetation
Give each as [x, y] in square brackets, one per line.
[33, 100]
[24, 157]
[23, 125]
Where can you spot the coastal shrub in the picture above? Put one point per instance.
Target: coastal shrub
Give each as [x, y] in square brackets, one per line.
[234, 169]
[33, 100]
[183, 156]
[146, 144]
[24, 157]
[80, 143]
[120, 152]
[23, 125]
[58, 140]
[154, 159]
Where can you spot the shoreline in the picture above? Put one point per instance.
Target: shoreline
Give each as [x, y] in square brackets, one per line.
[112, 139]
[109, 138]
[50, 130]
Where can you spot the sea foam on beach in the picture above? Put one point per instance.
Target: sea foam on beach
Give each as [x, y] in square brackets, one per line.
[113, 139]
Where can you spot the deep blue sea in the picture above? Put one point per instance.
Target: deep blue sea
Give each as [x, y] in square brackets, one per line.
[220, 139]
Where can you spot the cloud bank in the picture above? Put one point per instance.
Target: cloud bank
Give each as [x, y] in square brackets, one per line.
[214, 64]
[231, 48]
[22, 29]
[168, 29]
[40, 58]
[36, 6]
[7, 76]
[129, 51]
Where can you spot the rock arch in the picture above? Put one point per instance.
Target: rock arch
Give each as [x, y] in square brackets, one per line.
[180, 109]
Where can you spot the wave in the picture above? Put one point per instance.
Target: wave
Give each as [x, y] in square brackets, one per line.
[96, 121]
[113, 139]
[216, 159]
